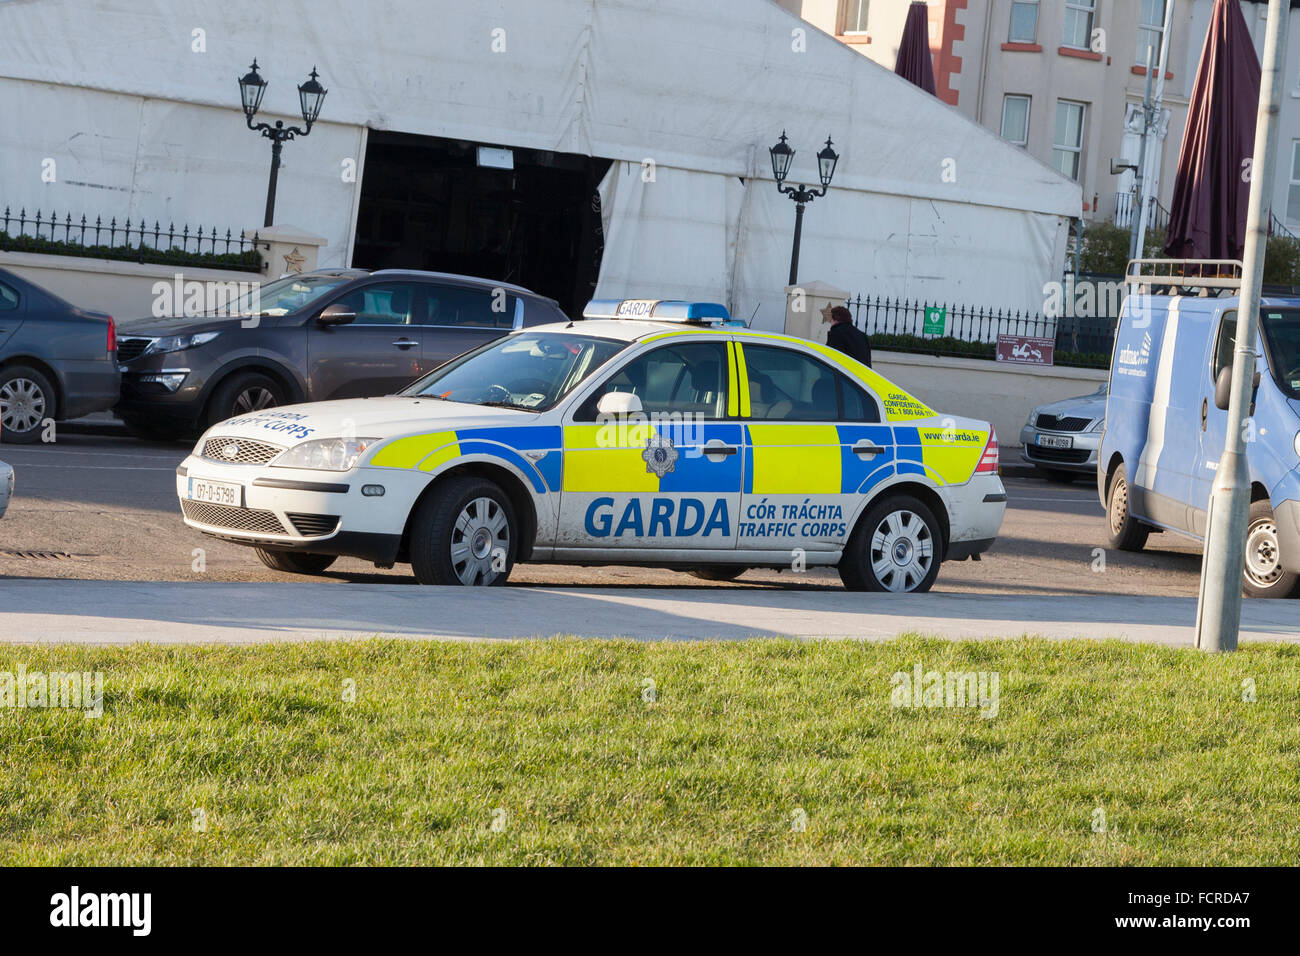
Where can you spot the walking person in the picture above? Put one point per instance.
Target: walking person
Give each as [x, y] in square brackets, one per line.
[846, 336]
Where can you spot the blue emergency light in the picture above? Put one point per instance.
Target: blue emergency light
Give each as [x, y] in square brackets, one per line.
[657, 310]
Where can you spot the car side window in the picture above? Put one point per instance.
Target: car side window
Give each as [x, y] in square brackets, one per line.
[1224, 343]
[785, 385]
[687, 379]
[8, 298]
[855, 404]
[471, 308]
[384, 303]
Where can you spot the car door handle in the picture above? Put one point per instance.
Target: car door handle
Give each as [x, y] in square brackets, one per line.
[720, 449]
[867, 450]
[1205, 412]
[405, 343]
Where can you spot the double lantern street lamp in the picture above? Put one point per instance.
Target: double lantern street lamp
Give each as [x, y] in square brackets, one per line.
[311, 95]
[782, 155]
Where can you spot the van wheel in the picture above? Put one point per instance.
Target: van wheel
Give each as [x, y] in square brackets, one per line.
[1126, 532]
[464, 533]
[294, 562]
[897, 547]
[26, 401]
[243, 393]
[719, 573]
[1262, 576]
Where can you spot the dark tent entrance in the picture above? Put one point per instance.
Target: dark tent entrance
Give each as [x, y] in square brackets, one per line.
[449, 206]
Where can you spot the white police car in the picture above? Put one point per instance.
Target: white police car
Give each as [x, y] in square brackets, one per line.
[650, 433]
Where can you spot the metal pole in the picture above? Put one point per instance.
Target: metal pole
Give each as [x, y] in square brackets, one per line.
[1154, 187]
[1139, 200]
[275, 173]
[794, 253]
[1218, 611]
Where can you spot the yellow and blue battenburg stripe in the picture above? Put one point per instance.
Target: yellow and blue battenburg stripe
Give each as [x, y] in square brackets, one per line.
[431, 451]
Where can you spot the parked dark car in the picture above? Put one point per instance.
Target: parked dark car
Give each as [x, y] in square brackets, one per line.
[343, 333]
[56, 361]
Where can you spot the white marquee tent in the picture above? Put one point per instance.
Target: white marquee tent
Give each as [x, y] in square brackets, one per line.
[136, 103]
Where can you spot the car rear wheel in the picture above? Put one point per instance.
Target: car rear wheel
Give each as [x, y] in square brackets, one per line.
[1263, 576]
[294, 562]
[26, 400]
[719, 573]
[244, 393]
[1126, 533]
[464, 533]
[897, 547]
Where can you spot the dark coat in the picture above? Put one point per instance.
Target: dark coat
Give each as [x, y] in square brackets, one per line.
[850, 340]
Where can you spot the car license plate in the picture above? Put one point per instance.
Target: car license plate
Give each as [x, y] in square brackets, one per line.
[217, 492]
[1055, 441]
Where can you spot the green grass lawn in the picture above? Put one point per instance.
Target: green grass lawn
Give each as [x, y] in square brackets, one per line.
[557, 742]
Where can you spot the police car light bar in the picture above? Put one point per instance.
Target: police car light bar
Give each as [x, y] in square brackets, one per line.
[657, 310]
[1204, 274]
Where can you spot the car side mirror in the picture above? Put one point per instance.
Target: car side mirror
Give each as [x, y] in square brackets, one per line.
[619, 403]
[336, 314]
[1223, 388]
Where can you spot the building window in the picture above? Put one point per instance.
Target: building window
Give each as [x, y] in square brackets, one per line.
[1293, 194]
[1024, 21]
[1078, 23]
[1151, 28]
[855, 16]
[1015, 119]
[1067, 146]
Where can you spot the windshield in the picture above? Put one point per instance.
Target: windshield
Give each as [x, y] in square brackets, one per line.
[529, 370]
[1282, 341]
[286, 295]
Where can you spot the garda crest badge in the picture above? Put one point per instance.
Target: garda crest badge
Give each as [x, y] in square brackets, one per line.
[660, 455]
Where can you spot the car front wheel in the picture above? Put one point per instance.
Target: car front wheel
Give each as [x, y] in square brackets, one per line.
[897, 547]
[26, 400]
[1262, 575]
[464, 533]
[244, 393]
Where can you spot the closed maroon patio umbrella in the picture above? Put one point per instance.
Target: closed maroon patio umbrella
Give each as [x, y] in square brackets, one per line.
[914, 60]
[1207, 214]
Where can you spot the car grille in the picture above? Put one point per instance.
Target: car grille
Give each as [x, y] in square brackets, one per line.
[240, 451]
[313, 525]
[236, 519]
[1066, 424]
[1066, 456]
[131, 348]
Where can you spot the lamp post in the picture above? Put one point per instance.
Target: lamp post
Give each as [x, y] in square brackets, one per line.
[782, 155]
[311, 96]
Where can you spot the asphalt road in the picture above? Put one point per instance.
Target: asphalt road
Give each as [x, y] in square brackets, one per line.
[100, 507]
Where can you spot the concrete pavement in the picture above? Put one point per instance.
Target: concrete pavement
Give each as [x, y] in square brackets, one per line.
[118, 612]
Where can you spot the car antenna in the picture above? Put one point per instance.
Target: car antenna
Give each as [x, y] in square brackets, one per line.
[750, 323]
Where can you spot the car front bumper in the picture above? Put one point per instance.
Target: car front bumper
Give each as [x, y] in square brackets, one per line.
[1081, 456]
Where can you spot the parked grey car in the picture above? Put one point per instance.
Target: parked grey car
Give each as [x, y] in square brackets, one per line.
[1062, 438]
[341, 333]
[6, 487]
[56, 361]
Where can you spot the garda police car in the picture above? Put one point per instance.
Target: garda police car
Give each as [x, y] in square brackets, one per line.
[650, 433]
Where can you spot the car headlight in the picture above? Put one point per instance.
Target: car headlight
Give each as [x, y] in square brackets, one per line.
[326, 454]
[1098, 425]
[1297, 443]
[179, 343]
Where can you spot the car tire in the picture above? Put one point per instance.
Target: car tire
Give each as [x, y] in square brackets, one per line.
[720, 573]
[27, 398]
[294, 562]
[464, 534]
[897, 546]
[1262, 575]
[152, 431]
[244, 393]
[1125, 532]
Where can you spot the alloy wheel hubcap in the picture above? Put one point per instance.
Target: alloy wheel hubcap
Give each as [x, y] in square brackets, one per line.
[22, 405]
[480, 542]
[253, 400]
[902, 551]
